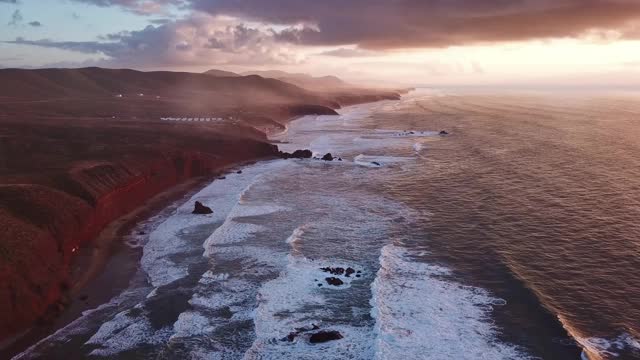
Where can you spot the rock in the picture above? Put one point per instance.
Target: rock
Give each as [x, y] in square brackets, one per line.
[302, 154]
[141, 233]
[324, 336]
[222, 177]
[200, 209]
[292, 336]
[327, 157]
[349, 271]
[298, 154]
[444, 132]
[239, 172]
[339, 159]
[84, 298]
[334, 281]
[376, 163]
[333, 271]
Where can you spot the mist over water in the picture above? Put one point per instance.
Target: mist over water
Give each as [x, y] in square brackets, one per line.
[514, 237]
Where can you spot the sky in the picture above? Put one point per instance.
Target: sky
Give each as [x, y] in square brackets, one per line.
[575, 43]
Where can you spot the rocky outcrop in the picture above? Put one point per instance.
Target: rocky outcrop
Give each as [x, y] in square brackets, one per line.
[325, 336]
[443, 132]
[298, 154]
[200, 209]
[318, 337]
[334, 281]
[327, 157]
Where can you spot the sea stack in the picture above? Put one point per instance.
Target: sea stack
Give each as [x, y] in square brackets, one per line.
[200, 209]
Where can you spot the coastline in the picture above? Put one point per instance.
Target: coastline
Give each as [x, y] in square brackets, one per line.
[104, 266]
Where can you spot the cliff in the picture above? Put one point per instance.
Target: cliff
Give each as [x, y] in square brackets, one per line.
[81, 147]
[47, 213]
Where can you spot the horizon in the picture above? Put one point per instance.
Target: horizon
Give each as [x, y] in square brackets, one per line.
[572, 43]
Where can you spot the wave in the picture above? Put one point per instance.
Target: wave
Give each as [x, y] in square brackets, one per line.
[598, 348]
[379, 161]
[417, 312]
[291, 307]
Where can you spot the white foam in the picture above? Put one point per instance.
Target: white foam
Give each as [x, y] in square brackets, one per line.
[126, 332]
[372, 161]
[167, 239]
[229, 232]
[296, 235]
[418, 313]
[191, 323]
[417, 147]
[294, 300]
[598, 348]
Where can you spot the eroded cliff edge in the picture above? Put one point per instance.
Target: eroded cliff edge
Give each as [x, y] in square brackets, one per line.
[81, 147]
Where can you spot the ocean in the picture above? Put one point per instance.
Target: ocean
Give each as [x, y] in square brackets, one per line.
[514, 236]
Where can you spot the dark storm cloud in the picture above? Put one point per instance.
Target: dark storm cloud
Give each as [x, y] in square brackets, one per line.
[428, 23]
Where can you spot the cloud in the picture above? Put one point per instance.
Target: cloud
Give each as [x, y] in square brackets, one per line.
[35, 23]
[385, 24]
[16, 18]
[142, 7]
[160, 21]
[349, 53]
[198, 40]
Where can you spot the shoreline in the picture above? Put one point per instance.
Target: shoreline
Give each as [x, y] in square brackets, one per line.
[105, 266]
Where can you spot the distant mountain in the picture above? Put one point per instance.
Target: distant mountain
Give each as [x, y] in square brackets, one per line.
[323, 83]
[86, 83]
[221, 73]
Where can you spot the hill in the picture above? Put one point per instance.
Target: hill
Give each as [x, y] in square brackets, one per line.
[221, 73]
[322, 83]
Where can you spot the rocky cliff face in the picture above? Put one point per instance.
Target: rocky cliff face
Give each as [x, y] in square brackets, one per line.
[43, 226]
[80, 148]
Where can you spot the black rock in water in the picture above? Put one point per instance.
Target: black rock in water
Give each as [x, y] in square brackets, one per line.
[444, 132]
[333, 271]
[292, 336]
[334, 281]
[376, 163]
[327, 157]
[200, 209]
[239, 172]
[298, 154]
[349, 271]
[324, 336]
